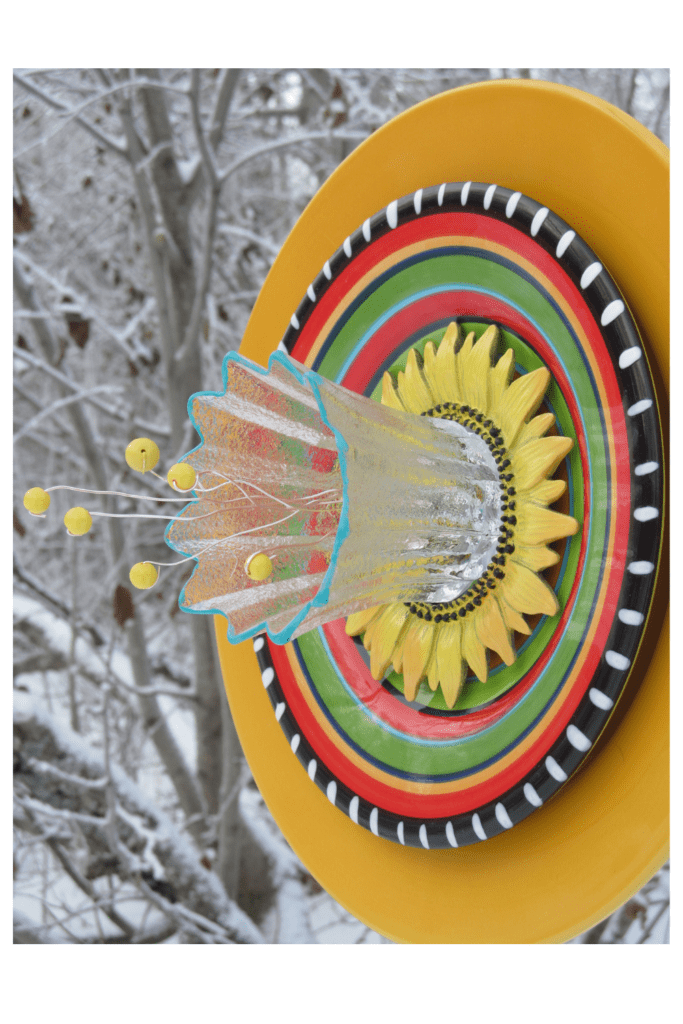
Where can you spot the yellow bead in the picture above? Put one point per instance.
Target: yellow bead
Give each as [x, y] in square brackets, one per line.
[37, 501]
[259, 567]
[143, 575]
[78, 521]
[142, 454]
[181, 477]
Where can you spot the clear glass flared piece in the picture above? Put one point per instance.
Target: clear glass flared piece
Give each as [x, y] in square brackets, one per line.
[354, 503]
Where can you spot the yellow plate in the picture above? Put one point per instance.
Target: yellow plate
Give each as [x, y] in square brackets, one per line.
[576, 859]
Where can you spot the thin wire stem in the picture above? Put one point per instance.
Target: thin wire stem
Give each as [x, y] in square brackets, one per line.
[143, 515]
[118, 494]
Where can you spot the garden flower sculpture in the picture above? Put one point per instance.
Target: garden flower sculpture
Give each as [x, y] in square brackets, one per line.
[423, 520]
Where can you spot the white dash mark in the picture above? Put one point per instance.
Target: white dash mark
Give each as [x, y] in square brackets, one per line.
[611, 312]
[417, 201]
[281, 347]
[450, 834]
[564, 243]
[616, 660]
[488, 199]
[353, 809]
[531, 795]
[347, 246]
[646, 467]
[631, 618]
[589, 274]
[644, 514]
[374, 815]
[629, 357]
[639, 407]
[512, 204]
[478, 827]
[399, 827]
[258, 643]
[641, 568]
[367, 234]
[503, 816]
[294, 321]
[280, 710]
[312, 766]
[423, 837]
[327, 271]
[559, 774]
[296, 739]
[392, 214]
[332, 791]
[267, 676]
[465, 193]
[310, 293]
[439, 199]
[577, 739]
[600, 699]
[539, 217]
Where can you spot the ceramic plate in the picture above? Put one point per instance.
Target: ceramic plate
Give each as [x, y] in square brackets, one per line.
[418, 773]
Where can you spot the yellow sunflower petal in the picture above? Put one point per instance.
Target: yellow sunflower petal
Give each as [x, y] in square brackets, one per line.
[428, 356]
[441, 374]
[537, 558]
[520, 400]
[512, 619]
[538, 460]
[492, 631]
[500, 377]
[397, 660]
[466, 347]
[383, 632]
[451, 668]
[390, 395]
[415, 391]
[431, 671]
[453, 336]
[460, 356]
[475, 369]
[359, 621]
[536, 525]
[528, 593]
[547, 492]
[473, 650]
[416, 653]
[536, 427]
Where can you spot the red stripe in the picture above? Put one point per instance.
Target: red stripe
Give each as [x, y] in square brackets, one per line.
[395, 800]
[401, 716]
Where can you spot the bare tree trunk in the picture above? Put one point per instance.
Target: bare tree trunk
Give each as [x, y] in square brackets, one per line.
[208, 712]
[173, 204]
[633, 80]
[230, 832]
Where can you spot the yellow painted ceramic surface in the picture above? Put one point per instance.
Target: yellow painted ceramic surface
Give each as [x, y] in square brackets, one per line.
[579, 857]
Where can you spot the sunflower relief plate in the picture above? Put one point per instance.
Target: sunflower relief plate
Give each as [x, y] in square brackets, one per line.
[416, 771]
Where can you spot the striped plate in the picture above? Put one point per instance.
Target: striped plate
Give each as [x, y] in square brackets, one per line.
[418, 773]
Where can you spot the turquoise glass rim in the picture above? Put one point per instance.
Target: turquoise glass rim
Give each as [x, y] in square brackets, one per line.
[313, 379]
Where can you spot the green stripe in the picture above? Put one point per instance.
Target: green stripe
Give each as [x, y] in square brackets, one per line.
[411, 753]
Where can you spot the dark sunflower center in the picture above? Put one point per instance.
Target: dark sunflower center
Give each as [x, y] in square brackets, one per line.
[474, 420]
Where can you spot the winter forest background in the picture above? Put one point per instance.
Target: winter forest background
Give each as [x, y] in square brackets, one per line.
[148, 207]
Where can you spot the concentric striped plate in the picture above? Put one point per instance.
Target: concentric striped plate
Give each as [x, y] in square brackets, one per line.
[418, 773]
